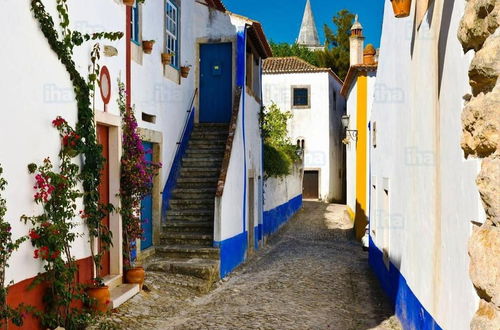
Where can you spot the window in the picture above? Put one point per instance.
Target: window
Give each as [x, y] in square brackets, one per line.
[134, 24]
[172, 31]
[300, 97]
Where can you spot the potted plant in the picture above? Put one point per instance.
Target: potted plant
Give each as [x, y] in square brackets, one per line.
[136, 182]
[185, 70]
[401, 8]
[100, 297]
[166, 58]
[129, 3]
[147, 46]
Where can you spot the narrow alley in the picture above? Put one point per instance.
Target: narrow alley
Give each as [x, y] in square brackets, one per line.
[310, 275]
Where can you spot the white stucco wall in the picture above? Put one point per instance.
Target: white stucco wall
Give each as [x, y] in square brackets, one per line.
[278, 191]
[36, 88]
[432, 191]
[317, 125]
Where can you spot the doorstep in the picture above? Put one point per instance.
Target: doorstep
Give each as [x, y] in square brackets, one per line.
[119, 292]
[122, 293]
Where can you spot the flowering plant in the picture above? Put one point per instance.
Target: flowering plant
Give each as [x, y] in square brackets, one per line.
[53, 233]
[7, 246]
[136, 179]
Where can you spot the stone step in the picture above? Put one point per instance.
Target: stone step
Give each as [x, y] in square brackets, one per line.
[122, 293]
[208, 135]
[189, 217]
[202, 162]
[186, 238]
[213, 147]
[194, 191]
[218, 152]
[211, 126]
[216, 143]
[190, 207]
[205, 269]
[200, 172]
[201, 212]
[193, 283]
[193, 202]
[198, 182]
[193, 195]
[187, 251]
[205, 227]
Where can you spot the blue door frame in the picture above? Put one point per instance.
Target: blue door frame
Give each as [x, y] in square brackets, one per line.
[147, 206]
[216, 82]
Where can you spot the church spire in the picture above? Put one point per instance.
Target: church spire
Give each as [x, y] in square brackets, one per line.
[308, 35]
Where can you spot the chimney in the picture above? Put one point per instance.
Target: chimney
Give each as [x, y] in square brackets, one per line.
[356, 41]
[369, 55]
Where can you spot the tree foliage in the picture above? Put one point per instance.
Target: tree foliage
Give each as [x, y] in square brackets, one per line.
[279, 152]
[283, 49]
[335, 55]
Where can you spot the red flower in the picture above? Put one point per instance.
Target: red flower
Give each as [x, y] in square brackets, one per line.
[33, 234]
[58, 122]
[35, 254]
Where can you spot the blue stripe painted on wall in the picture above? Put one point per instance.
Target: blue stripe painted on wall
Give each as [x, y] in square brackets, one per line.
[242, 41]
[232, 252]
[409, 310]
[275, 218]
[175, 170]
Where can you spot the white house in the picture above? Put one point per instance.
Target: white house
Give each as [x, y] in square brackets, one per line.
[313, 96]
[207, 201]
[423, 194]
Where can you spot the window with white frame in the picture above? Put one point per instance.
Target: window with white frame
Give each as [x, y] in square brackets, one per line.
[172, 31]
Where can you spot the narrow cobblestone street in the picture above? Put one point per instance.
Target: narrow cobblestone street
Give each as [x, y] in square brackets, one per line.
[310, 275]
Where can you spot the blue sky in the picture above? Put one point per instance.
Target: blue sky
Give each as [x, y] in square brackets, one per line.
[281, 18]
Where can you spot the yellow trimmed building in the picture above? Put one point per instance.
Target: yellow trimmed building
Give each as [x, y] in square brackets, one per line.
[358, 89]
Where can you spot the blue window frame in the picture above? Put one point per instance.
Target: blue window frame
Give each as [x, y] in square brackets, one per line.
[172, 31]
[134, 24]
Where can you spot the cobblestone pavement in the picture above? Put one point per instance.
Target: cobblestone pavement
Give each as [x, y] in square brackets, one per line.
[310, 275]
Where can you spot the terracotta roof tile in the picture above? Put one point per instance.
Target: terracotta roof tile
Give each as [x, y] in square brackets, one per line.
[353, 72]
[293, 64]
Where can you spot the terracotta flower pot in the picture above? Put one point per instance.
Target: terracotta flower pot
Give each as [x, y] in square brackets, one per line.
[128, 2]
[401, 8]
[166, 58]
[136, 276]
[147, 46]
[185, 71]
[101, 296]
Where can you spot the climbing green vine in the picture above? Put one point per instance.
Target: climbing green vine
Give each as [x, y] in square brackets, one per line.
[63, 44]
[279, 152]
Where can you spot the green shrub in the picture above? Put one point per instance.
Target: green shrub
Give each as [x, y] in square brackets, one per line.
[276, 162]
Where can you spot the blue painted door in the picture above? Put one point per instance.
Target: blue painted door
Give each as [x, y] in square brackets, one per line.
[147, 206]
[216, 88]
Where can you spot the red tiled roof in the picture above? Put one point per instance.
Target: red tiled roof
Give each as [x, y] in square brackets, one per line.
[293, 64]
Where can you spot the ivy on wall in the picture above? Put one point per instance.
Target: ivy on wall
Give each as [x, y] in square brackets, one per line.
[63, 44]
[279, 152]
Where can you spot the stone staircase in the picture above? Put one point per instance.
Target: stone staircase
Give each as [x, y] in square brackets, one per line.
[186, 252]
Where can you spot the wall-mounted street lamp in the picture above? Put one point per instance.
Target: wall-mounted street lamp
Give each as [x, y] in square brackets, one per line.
[351, 134]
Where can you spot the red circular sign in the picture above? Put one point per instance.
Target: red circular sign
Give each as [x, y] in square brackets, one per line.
[105, 85]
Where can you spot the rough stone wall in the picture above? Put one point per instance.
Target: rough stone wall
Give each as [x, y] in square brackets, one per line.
[479, 31]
